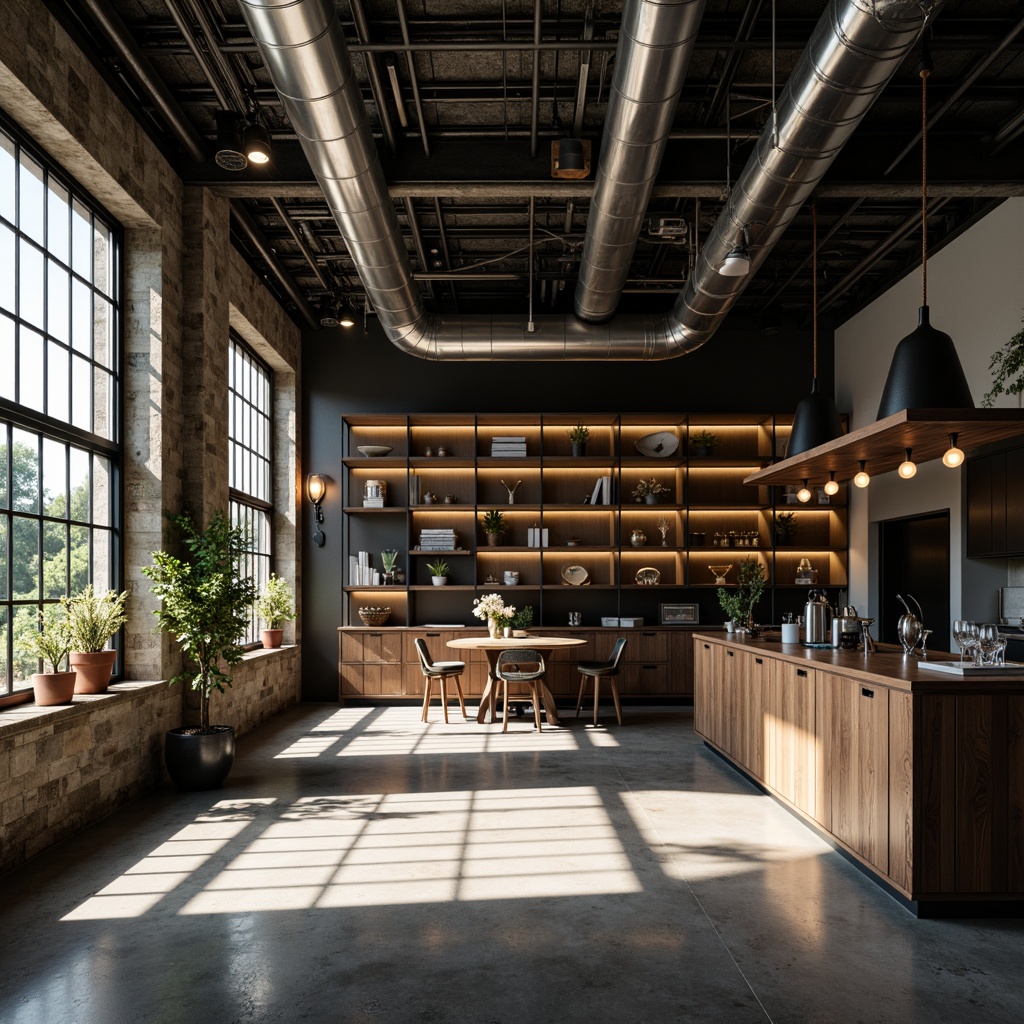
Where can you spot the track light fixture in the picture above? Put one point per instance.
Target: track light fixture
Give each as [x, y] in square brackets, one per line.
[862, 479]
[346, 315]
[831, 487]
[256, 142]
[737, 259]
[230, 152]
[804, 494]
[954, 456]
[907, 468]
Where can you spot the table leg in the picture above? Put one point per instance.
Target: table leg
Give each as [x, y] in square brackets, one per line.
[488, 699]
[549, 702]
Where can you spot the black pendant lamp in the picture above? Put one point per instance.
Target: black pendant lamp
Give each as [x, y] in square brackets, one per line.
[816, 420]
[925, 372]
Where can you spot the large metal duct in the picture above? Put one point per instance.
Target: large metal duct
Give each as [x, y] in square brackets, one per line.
[655, 45]
[855, 48]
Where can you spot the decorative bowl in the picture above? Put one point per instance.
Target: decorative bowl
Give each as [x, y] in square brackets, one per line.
[373, 451]
[575, 575]
[659, 445]
[648, 576]
[374, 616]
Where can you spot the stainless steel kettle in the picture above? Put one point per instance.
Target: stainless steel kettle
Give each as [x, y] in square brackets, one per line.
[910, 626]
[816, 615]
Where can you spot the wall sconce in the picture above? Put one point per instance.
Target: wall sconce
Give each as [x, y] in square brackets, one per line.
[315, 491]
[954, 456]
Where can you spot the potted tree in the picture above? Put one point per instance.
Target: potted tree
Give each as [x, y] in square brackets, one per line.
[50, 643]
[738, 602]
[205, 605]
[495, 525]
[438, 572]
[275, 607]
[92, 620]
[578, 437]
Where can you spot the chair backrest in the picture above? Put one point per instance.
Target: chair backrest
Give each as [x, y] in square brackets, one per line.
[620, 646]
[426, 662]
[510, 663]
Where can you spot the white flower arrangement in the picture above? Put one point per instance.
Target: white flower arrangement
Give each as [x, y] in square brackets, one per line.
[493, 606]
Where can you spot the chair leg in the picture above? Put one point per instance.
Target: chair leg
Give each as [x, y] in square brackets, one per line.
[504, 687]
[535, 694]
[597, 695]
[579, 699]
[458, 690]
[615, 697]
[426, 698]
[444, 697]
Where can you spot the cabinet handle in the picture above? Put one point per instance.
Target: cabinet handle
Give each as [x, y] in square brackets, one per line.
[759, 661]
[707, 647]
[432, 634]
[649, 668]
[865, 692]
[374, 634]
[731, 653]
[801, 672]
[648, 633]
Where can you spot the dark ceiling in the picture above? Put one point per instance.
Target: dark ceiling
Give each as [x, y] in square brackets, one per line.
[465, 141]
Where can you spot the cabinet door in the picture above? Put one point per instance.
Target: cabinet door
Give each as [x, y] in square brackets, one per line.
[647, 645]
[1014, 502]
[705, 655]
[859, 770]
[681, 663]
[984, 520]
[791, 757]
[753, 685]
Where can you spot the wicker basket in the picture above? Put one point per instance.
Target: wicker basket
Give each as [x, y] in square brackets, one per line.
[374, 616]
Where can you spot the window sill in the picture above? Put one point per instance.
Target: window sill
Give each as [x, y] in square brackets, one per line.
[264, 652]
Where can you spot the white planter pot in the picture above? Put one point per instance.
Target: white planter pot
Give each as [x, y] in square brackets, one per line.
[439, 581]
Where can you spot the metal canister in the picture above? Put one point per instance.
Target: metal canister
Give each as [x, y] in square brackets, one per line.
[816, 613]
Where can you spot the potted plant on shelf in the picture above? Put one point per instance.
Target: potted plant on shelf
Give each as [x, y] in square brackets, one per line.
[738, 602]
[703, 442]
[438, 572]
[92, 620]
[205, 603]
[388, 561]
[50, 643]
[785, 526]
[649, 491]
[578, 438]
[275, 606]
[1008, 366]
[495, 525]
[522, 620]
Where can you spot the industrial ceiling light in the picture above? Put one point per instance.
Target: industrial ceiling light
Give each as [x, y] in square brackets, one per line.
[925, 372]
[230, 154]
[953, 456]
[570, 155]
[737, 259]
[256, 143]
[831, 487]
[346, 315]
[328, 312]
[907, 468]
[816, 420]
[804, 494]
[862, 479]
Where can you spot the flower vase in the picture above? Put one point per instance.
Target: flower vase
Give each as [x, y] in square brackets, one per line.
[494, 628]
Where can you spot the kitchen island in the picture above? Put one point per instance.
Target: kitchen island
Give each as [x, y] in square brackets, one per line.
[917, 776]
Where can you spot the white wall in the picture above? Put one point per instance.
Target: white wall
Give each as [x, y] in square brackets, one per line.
[976, 295]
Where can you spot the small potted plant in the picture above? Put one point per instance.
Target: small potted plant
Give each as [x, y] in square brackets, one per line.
[649, 491]
[522, 620]
[438, 572]
[703, 442]
[388, 561]
[275, 606]
[495, 525]
[578, 438]
[738, 602]
[92, 620]
[205, 606]
[50, 643]
[785, 526]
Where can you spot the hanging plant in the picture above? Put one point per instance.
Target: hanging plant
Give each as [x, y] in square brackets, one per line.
[1008, 370]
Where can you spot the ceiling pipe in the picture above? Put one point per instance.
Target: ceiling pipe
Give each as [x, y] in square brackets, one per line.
[655, 45]
[853, 52]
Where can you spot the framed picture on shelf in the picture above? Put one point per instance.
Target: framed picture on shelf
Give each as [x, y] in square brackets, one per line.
[680, 614]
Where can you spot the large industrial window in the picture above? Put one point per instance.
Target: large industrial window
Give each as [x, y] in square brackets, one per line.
[250, 387]
[60, 459]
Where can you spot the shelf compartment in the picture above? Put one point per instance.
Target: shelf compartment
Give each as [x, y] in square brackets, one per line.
[493, 483]
[366, 430]
[594, 529]
[600, 444]
[454, 433]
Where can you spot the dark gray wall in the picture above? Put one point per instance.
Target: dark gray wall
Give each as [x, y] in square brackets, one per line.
[356, 371]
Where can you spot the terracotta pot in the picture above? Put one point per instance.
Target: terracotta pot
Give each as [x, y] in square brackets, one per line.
[271, 638]
[53, 688]
[92, 669]
[197, 760]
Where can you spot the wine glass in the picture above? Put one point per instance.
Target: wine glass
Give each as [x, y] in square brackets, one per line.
[961, 636]
[989, 643]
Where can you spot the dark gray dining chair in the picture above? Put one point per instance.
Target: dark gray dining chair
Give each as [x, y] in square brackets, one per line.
[598, 670]
[523, 665]
[442, 671]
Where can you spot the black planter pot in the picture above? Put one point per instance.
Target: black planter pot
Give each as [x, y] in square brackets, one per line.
[199, 760]
[579, 449]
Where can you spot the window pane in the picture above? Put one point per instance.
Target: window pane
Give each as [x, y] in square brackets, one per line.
[30, 369]
[103, 260]
[7, 278]
[81, 317]
[103, 494]
[7, 376]
[3, 466]
[58, 308]
[7, 173]
[57, 357]
[81, 393]
[79, 559]
[102, 560]
[103, 404]
[4, 520]
[55, 496]
[25, 558]
[102, 331]
[30, 198]
[55, 560]
[25, 472]
[57, 214]
[30, 284]
[81, 240]
[78, 465]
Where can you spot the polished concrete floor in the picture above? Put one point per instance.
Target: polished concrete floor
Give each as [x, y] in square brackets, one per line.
[361, 867]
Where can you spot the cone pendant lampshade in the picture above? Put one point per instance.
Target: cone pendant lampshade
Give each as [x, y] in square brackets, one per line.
[815, 422]
[925, 373]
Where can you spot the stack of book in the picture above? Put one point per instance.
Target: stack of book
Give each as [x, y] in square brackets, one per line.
[603, 491]
[360, 572]
[438, 540]
[508, 447]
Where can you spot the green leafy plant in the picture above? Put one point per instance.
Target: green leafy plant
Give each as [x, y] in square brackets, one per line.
[205, 603]
[1008, 370]
[785, 524]
[645, 487]
[438, 568]
[704, 439]
[51, 641]
[275, 605]
[388, 559]
[523, 619]
[494, 521]
[94, 618]
[579, 434]
[738, 602]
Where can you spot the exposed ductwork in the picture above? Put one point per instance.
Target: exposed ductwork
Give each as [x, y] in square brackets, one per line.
[855, 48]
[655, 45]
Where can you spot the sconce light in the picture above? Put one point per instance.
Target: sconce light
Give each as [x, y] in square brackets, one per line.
[315, 491]
[954, 456]
[831, 487]
[907, 469]
[861, 479]
[804, 494]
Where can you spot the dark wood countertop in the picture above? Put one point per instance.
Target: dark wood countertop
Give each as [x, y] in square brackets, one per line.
[885, 667]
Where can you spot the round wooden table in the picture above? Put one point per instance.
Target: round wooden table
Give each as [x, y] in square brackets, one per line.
[492, 648]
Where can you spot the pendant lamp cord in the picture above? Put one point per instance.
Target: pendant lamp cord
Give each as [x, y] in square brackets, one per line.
[924, 70]
[814, 284]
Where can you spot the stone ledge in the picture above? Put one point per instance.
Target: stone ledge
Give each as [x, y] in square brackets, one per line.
[263, 652]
